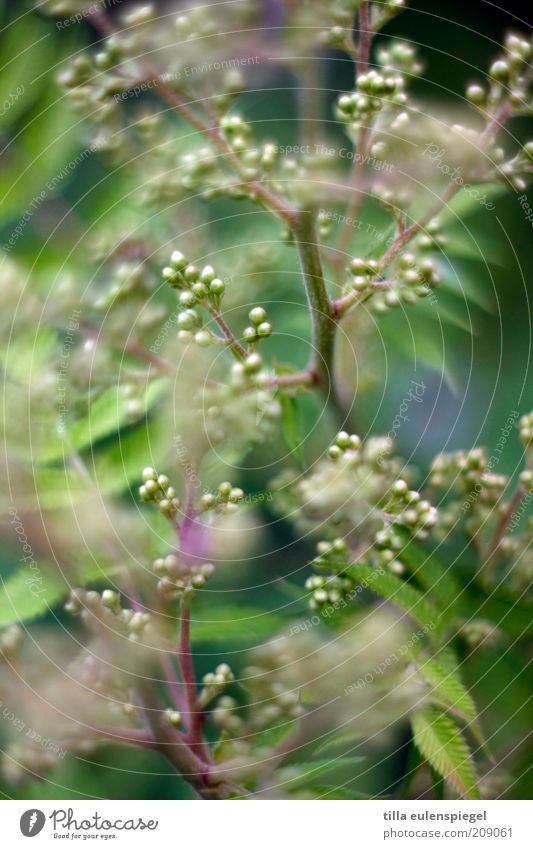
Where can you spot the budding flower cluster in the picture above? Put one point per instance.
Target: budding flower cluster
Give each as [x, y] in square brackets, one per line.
[156, 489]
[406, 507]
[215, 683]
[225, 717]
[94, 608]
[344, 442]
[509, 79]
[357, 487]
[461, 469]
[225, 500]
[243, 412]
[179, 579]
[399, 57]
[273, 701]
[373, 92]
[259, 327]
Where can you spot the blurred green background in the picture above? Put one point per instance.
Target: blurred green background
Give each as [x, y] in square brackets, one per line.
[488, 371]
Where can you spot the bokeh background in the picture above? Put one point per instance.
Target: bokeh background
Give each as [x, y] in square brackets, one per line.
[474, 362]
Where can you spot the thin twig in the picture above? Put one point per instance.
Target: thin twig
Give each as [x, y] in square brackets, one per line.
[356, 178]
[501, 528]
[229, 337]
[260, 192]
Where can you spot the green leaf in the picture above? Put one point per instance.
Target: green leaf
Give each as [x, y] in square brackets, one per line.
[433, 575]
[271, 737]
[27, 51]
[447, 689]
[301, 775]
[29, 593]
[340, 793]
[110, 469]
[106, 415]
[249, 625]
[449, 692]
[443, 746]
[404, 596]
[29, 354]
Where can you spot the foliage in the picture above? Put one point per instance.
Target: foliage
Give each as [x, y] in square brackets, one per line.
[152, 364]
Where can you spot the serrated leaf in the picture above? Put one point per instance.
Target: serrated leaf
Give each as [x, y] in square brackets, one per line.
[407, 598]
[448, 691]
[447, 688]
[441, 743]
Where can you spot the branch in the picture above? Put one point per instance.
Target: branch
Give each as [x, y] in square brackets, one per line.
[194, 713]
[355, 181]
[320, 369]
[229, 337]
[260, 192]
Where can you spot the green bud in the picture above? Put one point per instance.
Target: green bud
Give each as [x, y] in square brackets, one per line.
[264, 329]
[257, 315]
[177, 260]
[217, 286]
[499, 71]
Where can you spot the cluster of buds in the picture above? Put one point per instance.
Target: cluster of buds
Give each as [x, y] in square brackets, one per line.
[156, 489]
[178, 579]
[224, 716]
[413, 279]
[373, 91]
[225, 500]
[406, 507]
[237, 132]
[94, 608]
[432, 237]
[399, 56]
[173, 717]
[329, 590]
[347, 490]
[215, 683]
[273, 702]
[259, 327]
[526, 431]
[363, 272]
[244, 411]
[197, 287]
[345, 444]
[333, 588]
[459, 471]
[474, 493]
[509, 78]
